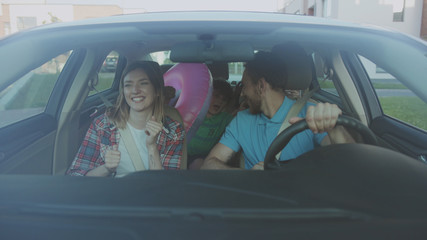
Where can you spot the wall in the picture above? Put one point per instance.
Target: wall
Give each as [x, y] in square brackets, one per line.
[375, 12]
[93, 11]
[9, 13]
[40, 12]
[4, 20]
[424, 22]
[380, 12]
[297, 7]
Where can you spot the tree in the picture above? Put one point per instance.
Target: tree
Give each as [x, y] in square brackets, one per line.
[53, 18]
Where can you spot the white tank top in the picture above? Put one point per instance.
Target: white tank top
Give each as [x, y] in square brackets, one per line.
[126, 165]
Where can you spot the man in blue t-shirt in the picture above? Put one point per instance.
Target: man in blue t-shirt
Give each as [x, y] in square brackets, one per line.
[254, 129]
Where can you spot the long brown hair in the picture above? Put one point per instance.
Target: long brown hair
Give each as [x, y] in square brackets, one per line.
[119, 113]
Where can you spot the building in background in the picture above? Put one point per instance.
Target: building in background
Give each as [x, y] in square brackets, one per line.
[4, 20]
[424, 21]
[16, 15]
[408, 16]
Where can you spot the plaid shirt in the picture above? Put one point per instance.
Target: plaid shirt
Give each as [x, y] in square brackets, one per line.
[102, 133]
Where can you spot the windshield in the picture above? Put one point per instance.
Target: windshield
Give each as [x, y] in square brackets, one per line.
[121, 119]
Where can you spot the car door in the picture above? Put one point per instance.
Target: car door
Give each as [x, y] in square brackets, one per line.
[29, 106]
[365, 91]
[91, 100]
[103, 92]
[396, 114]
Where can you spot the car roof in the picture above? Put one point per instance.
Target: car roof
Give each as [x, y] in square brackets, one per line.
[204, 16]
[161, 30]
[140, 34]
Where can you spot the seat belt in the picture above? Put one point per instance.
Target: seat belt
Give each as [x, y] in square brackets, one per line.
[103, 98]
[295, 109]
[132, 149]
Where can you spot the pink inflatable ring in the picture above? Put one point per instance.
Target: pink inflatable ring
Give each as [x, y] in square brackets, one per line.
[193, 85]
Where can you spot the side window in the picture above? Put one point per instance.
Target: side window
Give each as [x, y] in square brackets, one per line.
[323, 74]
[29, 95]
[107, 73]
[162, 57]
[235, 71]
[396, 100]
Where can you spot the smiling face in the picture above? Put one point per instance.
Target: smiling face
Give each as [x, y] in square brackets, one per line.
[218, 103]
[138, 91]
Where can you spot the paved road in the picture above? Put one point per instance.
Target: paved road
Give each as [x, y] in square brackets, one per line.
[395, 93]
[386, 92]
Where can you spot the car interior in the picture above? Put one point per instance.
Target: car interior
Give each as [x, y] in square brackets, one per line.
[76, 101]
[54, 83]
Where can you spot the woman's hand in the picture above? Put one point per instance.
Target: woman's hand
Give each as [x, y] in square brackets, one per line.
[152, 129]
[111, 162]
[112, 159]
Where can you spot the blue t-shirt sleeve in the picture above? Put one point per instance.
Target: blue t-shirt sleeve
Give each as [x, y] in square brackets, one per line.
[319, 137]
[229, 138]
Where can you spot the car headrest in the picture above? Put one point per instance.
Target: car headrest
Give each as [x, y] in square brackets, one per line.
[299, 65]
[219, 70]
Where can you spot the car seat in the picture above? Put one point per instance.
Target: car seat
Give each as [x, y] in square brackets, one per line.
[299, 66]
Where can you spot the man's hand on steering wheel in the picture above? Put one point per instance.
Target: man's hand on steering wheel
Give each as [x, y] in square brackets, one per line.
[270, 161]
[320, 118]
[323, 118]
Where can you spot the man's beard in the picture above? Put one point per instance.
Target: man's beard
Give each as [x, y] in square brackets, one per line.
[254, 106]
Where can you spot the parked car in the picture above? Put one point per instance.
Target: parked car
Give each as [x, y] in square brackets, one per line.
[110, 64]
[51, 88]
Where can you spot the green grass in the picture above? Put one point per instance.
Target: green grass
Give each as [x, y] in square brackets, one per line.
[389, 86]
[35, 93]
[326, 84]
[411, 110]
[105, 82]
[38, 89]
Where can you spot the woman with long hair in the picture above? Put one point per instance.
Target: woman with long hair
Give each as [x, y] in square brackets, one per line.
[134, 134]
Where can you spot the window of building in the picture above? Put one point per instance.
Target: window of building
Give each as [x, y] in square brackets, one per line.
[312, 10]
[398, 10]
[6, 28]
[327, 8]
[26, 22]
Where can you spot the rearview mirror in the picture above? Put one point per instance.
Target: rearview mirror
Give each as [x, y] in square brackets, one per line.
[212, 51]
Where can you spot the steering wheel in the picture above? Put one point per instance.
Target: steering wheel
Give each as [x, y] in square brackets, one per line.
[270, 161]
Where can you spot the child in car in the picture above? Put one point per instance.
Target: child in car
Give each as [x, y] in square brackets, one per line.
[213, 125]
